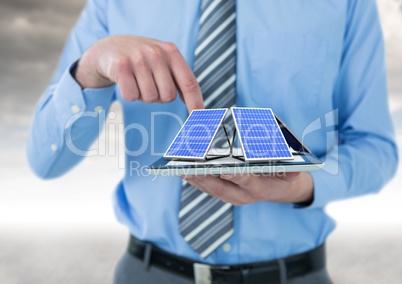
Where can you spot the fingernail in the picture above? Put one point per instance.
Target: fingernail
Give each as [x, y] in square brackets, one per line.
[225, 176]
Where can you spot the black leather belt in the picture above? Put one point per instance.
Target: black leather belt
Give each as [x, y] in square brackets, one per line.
[274, 271]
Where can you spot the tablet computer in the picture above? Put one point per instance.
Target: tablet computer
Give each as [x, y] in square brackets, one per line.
[231, 161]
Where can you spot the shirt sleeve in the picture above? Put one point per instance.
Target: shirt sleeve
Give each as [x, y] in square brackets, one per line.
[68, 119]
[366, 157]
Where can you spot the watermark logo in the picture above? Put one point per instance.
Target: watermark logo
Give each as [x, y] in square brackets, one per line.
[112, 140]
[331, 157]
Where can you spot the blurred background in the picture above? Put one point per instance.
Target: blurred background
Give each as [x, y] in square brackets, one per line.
[64, 231]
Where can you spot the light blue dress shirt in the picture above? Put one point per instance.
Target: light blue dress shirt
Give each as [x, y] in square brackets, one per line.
[318, 64]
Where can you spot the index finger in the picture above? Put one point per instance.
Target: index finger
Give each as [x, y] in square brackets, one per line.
[185, 79]
[241, 180]
[291, 176]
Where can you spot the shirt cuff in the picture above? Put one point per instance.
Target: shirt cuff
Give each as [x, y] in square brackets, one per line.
[72, 102]
[329, 185]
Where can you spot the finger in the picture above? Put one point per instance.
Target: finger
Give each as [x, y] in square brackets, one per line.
[224, 190]
[128, 86]
[145, 81]
[164, 82]
[245, 181]
[261, 187]
[257, 186]
[291, 176]
[192, 181]
[184, 78]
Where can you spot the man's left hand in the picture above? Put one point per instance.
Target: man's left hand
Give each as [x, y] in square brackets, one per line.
[244, 189]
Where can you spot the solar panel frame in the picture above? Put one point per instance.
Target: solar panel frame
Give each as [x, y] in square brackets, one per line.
[247, 157]
[205, 152]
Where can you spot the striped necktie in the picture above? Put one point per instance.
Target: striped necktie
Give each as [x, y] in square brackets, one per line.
[206, 222]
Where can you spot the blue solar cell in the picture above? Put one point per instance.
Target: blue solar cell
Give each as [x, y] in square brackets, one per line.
[196, 134]
[260, 135]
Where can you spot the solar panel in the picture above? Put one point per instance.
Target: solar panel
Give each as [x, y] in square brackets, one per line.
[196, 135]
[260, 135]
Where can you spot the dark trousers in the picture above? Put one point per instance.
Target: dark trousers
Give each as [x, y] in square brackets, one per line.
[131, 270]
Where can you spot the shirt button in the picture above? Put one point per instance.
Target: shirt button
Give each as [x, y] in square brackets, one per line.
[75, 109]
[112, 115]
[53, 147]
[226, 247]
[98, 109]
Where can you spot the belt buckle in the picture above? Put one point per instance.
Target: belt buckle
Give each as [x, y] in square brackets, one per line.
[203, 272]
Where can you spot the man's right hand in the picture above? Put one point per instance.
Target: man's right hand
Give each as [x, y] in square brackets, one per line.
[144, 69]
